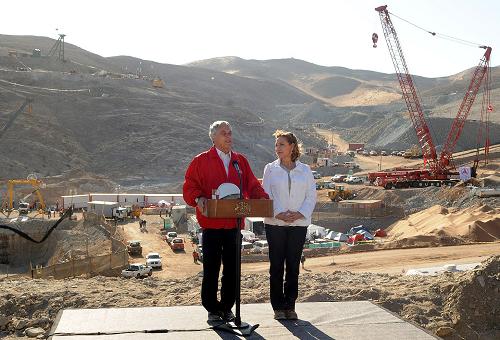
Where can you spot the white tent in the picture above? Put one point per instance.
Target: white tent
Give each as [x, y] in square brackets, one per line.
[336, 236]
[315, 231]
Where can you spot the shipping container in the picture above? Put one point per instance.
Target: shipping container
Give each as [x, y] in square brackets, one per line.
[131, 199]
[75, 201]
[356, 146]
[103, 208]
[103, 197]
[155, 198]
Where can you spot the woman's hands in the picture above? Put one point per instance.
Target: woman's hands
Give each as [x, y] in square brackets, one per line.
[289, 216]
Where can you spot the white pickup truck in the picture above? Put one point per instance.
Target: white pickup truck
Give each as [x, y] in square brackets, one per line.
[137, 270]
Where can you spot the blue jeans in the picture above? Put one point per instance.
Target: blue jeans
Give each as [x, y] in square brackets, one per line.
[285, 247]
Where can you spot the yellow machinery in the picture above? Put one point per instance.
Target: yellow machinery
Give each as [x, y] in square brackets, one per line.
[413, 152]
[35, 183]
[340, 193]
[136, 211]
[157, 82]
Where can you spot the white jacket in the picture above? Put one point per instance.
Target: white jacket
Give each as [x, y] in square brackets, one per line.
[302, 196]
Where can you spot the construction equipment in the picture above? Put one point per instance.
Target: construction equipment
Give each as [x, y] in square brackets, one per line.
[436, 171]
[158, 83]
[35, 183]
[23, 206]
[136, 211]
[413, 152]
[340, 193]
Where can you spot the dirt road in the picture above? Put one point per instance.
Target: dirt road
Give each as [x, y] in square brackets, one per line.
[367, 163]
[180, 264]
[393, 261]
[175, 265]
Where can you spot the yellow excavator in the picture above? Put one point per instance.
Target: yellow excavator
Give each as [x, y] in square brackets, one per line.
[340, 193]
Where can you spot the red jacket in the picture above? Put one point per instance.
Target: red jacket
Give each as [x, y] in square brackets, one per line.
[206, 172]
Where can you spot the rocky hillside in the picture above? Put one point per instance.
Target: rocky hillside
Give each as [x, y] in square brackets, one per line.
[102, 120]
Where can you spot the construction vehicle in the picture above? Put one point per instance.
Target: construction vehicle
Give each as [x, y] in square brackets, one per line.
[136, 211]
[158, 83]
[35, 183]
[437, 170]
[413, 152]
[340, 193]
[24, 207]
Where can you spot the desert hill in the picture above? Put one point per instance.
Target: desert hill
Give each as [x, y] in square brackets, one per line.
[101, 118]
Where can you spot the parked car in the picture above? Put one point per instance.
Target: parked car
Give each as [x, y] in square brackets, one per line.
[338, 178]
[170, 236]
[320, 185]
[134, 247]
[261, 246]
[177, 244]
[373, 153]
[335, 164]
[137, 270]
[383, 153]
[246, 247]
[316, 174]
[354, 180]
[366, 153]
[153, 260]
[394, 153]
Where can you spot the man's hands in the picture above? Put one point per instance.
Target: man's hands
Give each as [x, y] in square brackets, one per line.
[289, 216]
[202, 204]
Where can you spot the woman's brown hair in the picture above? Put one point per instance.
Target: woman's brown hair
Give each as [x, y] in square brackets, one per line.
[291, 139]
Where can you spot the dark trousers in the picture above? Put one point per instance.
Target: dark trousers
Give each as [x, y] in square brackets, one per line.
[218, 244]
[285, 248]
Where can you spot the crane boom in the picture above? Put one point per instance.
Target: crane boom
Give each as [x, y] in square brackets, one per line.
[463, 111]
[408, 88]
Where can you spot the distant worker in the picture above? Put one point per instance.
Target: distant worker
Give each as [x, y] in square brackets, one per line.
[303, 260]
[196, 256]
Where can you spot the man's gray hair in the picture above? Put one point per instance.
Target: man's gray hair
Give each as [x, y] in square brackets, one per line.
[215, 126]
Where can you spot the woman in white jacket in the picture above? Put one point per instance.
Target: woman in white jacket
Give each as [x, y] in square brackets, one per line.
[291, 186]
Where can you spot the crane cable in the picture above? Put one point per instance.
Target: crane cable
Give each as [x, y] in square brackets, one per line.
[441, 35]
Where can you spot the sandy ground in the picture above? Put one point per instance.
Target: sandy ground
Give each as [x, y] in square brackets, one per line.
[181, 265]
[177, 264]
[461, 305]
[383, 261]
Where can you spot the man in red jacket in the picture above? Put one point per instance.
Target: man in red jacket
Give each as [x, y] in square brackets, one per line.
[205, 173]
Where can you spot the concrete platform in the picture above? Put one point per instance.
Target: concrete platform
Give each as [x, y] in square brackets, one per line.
[318, 320]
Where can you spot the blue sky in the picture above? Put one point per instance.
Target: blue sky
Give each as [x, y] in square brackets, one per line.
[329, 33]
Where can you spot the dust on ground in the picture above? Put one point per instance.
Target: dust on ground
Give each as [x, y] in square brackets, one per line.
[451, 305]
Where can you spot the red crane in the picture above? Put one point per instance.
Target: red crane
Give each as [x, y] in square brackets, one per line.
[439, 169]
[458, 124]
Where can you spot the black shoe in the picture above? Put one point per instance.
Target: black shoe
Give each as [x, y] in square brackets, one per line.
[228, 316]
[291, 315]
[214, 316]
